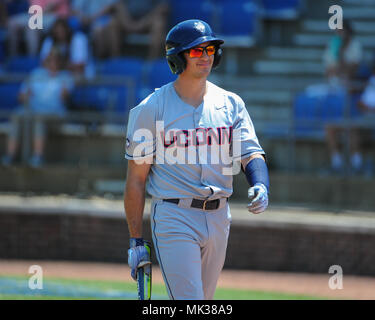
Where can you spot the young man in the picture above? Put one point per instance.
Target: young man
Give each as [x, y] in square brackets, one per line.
[44, 94]
[193, 118]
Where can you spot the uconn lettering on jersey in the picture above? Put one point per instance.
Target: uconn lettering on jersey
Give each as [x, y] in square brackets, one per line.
[197, 137]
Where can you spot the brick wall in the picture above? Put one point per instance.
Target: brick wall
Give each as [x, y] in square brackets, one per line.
[273, 247]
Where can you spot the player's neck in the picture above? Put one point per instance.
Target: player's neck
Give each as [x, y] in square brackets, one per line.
[191, 91]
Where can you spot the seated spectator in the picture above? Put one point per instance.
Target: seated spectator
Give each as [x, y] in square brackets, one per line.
[8, 9]
[364, 119]
[142, 17]
[3, 14]
[95, 16]
[366, 107]
[3, 19]
[43, 96]
[74, 46]
[17, 24]
[342, 56]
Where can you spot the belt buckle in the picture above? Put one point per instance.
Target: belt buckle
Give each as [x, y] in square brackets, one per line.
[204, 204]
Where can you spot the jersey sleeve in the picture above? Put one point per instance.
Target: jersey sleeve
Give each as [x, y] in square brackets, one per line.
[245, 141]
[141, 137]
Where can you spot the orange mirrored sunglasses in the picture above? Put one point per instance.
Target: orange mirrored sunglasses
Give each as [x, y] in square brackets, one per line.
[197, 52]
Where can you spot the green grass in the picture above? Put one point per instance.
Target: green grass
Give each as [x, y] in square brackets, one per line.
[236, 294]
[158, 290]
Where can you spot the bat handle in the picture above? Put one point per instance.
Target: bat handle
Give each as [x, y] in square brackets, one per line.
[140, 284]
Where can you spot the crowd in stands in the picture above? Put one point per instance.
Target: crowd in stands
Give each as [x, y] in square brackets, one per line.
[75, 33]
[342, 107]
[83, 27]
[342, 59]
[43, 94]
[78, 35]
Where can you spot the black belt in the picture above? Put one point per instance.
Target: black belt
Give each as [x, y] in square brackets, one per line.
[200, 204]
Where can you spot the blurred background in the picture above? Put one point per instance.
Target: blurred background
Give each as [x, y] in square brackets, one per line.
[66, 90]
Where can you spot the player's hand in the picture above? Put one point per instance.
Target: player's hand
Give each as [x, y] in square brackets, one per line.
[138, 257]
[259, 198]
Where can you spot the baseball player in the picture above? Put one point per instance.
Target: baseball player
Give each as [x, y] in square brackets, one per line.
[174, 141]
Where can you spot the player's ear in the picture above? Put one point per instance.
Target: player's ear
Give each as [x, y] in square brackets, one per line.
[177, 63]
[218, 55]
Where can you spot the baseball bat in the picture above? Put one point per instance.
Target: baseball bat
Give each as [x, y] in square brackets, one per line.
[144, 278]
[140, 284]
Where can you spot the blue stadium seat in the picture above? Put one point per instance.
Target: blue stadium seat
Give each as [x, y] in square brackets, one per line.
[321, 110]
[22, 64]
[15, 7]
[9, 95]
[236, 18]
[281, 9]
[159, 74]
[122, 66]
[103, 98]
[191, 9]
[8, 99]
[333, 107]
[307, 108]
[132, 68]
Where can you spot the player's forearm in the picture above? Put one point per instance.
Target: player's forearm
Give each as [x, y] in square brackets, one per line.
[134, 202]
[245, 161]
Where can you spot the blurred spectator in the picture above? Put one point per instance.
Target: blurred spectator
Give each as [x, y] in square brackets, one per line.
[342, 56]
[73, 46]
[18, 24]
[142, 16]
[3, 18]
[364, 119]
[366, 106]
[3, 14]
[9, 8]
[95, 16]
[43, 96]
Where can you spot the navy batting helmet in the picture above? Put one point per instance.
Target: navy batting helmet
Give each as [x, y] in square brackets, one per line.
[186, 35]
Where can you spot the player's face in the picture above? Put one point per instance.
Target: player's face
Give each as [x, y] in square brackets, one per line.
[199, 59]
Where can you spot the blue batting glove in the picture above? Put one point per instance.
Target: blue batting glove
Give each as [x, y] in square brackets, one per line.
[259, 198]
[138, 256]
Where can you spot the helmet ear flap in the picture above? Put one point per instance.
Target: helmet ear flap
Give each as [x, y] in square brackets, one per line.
[176, 63]
[218, 55]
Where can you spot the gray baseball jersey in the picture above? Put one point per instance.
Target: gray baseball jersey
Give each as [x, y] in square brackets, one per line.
[190, 148]
[184, 162]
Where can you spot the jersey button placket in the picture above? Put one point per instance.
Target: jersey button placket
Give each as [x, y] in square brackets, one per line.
[197, 124]
[201, 157]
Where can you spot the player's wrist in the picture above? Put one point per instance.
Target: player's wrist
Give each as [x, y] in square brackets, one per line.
[261, 185]
[256, 172]
[136, 242]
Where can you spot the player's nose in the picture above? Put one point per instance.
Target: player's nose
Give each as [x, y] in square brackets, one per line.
[205, 56]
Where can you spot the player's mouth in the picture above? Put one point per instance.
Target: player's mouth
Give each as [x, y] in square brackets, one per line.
[204, 65]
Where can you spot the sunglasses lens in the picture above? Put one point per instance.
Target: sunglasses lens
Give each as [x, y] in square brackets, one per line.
[210, 50]
[196, 52]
